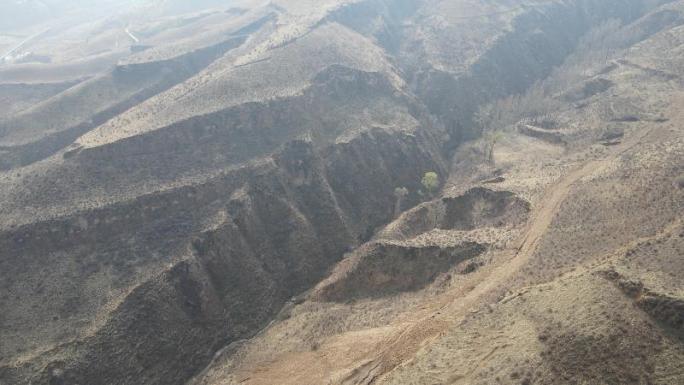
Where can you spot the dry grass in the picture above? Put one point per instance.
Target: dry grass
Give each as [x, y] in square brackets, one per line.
[548, 318]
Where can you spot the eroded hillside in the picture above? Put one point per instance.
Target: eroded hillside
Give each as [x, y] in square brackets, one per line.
[214, 201]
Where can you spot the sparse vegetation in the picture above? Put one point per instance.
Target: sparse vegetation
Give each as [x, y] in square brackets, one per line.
[503, 114]
[540, 105]
[265, 175]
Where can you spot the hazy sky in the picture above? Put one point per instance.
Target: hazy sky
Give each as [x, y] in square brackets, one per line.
[17, 15]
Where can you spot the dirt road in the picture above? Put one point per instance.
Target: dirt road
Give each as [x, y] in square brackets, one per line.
[367, 356]
[450, 310]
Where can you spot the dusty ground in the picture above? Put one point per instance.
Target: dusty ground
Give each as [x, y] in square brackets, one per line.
[162, 203]
[494, 328]
[545, 305]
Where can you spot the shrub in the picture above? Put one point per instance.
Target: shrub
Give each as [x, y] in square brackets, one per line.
[430, 182]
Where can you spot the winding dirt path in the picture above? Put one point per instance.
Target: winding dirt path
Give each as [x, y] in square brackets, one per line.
[450, 310]
[368, 356]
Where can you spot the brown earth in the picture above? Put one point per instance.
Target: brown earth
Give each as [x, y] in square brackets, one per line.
[215, 203]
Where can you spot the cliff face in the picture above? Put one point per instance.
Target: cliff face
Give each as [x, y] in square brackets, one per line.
[237, 245]
[175, 204]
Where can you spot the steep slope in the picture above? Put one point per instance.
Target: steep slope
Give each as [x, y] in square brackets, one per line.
[192, 208]
[569, 298]
[275, 176]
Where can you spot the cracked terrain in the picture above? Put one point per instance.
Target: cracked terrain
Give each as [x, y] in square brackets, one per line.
[231, 192]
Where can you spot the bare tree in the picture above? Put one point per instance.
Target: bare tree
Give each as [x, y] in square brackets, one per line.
[491, 138]
[400, 193]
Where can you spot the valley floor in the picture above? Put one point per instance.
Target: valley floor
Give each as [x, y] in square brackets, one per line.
[234, 195]
[587, 290]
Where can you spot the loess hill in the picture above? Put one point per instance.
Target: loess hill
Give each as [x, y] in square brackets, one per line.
[205, 194]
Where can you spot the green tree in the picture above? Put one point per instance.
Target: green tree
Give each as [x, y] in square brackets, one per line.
[430, 182]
